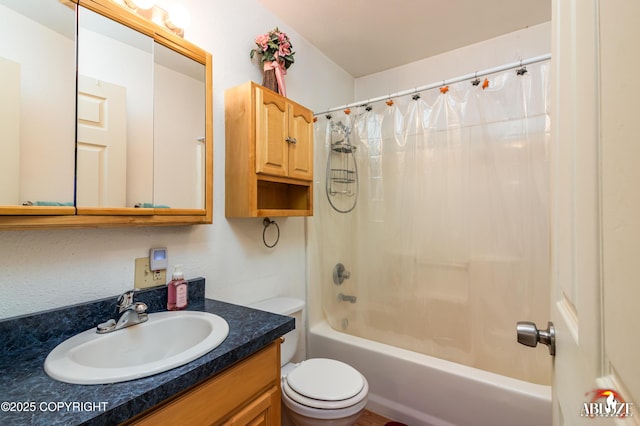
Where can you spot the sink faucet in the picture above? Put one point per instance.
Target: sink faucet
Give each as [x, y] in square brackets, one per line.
[128, 313]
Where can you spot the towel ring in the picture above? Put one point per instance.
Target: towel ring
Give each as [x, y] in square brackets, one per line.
[268, 222]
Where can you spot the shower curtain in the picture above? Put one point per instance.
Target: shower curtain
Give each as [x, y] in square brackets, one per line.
[448, 245]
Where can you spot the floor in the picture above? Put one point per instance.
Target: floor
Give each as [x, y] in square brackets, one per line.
[371, 419]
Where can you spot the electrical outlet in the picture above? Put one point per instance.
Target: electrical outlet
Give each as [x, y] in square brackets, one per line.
[145, 277]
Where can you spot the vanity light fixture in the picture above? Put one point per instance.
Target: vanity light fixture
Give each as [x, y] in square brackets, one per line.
[139, 4]
[176, 18]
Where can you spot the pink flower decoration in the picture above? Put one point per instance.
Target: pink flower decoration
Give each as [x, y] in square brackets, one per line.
[262, 40]
[274, 46]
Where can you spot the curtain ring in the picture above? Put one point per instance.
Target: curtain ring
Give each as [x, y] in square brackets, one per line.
[475, 80]
[268, 222]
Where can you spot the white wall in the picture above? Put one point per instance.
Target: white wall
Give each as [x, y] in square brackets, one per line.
[512, 47]
[47, 269]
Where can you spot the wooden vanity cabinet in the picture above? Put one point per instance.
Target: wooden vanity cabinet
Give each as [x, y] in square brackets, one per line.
[269, 154]
[247, 393]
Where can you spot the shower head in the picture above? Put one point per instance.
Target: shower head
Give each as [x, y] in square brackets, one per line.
[340, 127]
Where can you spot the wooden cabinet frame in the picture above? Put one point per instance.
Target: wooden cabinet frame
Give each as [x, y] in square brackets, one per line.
[45, 217]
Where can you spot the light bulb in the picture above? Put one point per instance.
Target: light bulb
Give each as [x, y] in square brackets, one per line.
[142, 4]
[179, 16]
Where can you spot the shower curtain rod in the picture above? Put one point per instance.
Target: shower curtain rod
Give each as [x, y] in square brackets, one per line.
[521, 63]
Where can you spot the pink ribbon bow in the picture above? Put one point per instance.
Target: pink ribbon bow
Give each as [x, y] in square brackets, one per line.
[280, 72]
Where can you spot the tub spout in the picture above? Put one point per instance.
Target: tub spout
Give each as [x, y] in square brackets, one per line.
[346, 298]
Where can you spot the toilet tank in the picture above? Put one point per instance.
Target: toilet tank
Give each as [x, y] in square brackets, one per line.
[285, 306]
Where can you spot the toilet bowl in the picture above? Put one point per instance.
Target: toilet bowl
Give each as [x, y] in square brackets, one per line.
[317, 391]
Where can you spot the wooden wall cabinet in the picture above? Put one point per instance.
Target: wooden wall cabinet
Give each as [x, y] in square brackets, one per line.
[247, 393]
[269, 154]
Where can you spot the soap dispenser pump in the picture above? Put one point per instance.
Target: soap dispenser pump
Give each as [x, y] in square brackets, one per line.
[177, 290]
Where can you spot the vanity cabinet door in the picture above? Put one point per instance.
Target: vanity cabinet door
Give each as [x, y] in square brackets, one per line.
[301, 151]
[247, 393]
[272, 150]
[260, 412]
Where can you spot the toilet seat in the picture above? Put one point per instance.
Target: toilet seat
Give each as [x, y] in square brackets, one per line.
[325, 384]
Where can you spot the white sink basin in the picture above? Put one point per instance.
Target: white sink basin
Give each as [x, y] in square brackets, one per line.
[167, 340]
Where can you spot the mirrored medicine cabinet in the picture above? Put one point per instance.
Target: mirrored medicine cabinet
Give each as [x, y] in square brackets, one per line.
[105, 119]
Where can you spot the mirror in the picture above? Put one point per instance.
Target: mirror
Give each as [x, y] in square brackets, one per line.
[115, 141]
[37, 109]
[179, 136]
[143, 119]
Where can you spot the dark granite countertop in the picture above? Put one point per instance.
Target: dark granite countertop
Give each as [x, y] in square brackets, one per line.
[28, 396]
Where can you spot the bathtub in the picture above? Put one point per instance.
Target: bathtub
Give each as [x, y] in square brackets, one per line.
[420, 390]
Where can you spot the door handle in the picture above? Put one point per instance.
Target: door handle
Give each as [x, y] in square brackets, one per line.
[291, 140]
[529, 335]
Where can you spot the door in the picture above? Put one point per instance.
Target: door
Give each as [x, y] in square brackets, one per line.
[262, 411]
[595, 212]
[272, 156]
[101, 177]
[301, 142]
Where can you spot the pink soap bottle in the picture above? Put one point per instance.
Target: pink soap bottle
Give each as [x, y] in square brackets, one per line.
[177, 290]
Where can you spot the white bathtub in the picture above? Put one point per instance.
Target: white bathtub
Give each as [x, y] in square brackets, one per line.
[420, 390]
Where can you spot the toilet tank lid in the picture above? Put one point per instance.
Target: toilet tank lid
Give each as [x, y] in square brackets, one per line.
[279, 305]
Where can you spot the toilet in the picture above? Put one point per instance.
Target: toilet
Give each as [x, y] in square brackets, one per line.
[317, 391]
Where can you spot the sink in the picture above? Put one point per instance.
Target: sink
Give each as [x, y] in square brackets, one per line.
[167, 340]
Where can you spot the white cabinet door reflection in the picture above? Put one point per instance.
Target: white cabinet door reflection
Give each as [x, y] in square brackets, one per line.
[102, 144]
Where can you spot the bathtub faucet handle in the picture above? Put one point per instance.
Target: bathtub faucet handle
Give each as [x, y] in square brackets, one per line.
[340, 274]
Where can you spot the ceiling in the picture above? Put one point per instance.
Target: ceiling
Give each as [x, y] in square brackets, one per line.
[368, 36]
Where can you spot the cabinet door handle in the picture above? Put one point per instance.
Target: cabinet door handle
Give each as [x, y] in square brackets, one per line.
[291, 140]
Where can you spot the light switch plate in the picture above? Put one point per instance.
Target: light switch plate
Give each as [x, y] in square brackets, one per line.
[145, 277]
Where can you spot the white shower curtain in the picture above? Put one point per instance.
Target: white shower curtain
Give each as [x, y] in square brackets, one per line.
[448, 244]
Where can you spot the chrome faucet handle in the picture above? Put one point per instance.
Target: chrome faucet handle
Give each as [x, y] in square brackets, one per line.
[124, 301]
[139, 307]
[106, 326]
[127, 313]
